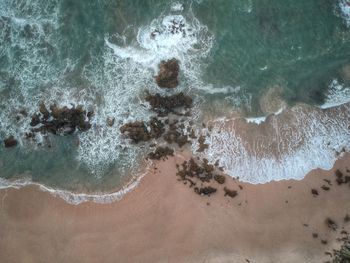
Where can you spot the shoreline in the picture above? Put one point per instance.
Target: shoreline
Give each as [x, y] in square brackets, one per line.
[163, 220]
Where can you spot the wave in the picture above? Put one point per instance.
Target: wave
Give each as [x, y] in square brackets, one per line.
[76, 198]
[284, 146]
[338, 94]
[127, 72]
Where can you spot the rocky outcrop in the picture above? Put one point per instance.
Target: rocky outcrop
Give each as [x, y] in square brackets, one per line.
[168, 74]
[140, 131]
[10, 142]
[175, 135]
[136, 131]
[161, 153]
[164, 105]
[60, 120]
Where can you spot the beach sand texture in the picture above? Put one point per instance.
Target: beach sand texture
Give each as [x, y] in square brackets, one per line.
[163, 220]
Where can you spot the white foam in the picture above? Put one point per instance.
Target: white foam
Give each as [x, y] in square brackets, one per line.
[127, 71]
[288, 147]
[262, 119]
[337, 95]
[257, 120]
[344, 6]
[76, 198]
[177, 7]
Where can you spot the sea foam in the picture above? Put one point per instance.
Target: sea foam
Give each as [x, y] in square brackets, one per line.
[284, 146]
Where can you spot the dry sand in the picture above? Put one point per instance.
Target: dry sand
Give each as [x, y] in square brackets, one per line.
[163, 220]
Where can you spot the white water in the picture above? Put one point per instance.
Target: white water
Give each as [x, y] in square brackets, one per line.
[286, 146]
[344, 6]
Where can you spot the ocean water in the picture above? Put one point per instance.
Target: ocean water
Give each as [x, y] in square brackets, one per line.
[248, 58]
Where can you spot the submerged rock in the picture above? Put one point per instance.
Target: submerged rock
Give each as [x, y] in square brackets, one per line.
[168, 74]
[202, 145]
[164, 105]
[110, 121]
[136, 131]
[139, 131]
[60, 120]
[176, 135]
[10, 142]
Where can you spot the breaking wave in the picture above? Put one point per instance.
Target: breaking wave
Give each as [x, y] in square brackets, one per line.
[287, 145]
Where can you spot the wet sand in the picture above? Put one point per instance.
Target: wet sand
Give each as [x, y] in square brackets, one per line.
[163, 220]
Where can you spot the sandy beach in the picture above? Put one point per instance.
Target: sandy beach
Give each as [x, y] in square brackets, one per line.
[163, 220]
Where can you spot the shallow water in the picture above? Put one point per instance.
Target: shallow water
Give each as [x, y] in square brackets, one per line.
[101, 54]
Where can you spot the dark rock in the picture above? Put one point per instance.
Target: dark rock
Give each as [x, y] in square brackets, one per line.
[164, 105]
[331, 224]
[58, 120]
[324, 242]
[208, 190]
[347, 219]
[220, 178]
[156, 128]
[10, 142]
[230, 193]
[326, 188]
[175, 135]
[136, 131]
[314, 235]
[168, 74]
[161, 153]
[314, 192]
[202, 145]
[43, 110]
[139, 131]
[35, 120]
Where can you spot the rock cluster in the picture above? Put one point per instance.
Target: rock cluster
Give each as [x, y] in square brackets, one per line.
[164, 105]
[168, 74]
[196, 174]
[175, 134]
[140, 131]
[60, 121]
[161, 153]
[341, 178]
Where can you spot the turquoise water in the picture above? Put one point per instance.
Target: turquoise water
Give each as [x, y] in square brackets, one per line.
[99, 54]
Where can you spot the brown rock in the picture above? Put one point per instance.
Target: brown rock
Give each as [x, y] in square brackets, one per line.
[161, 153]
[168, 74]
[220, 178]
[10, 142]
[43, 110]
[230, 193]
[164, 105]
[136, 131]
[314, 192]
[208, 190]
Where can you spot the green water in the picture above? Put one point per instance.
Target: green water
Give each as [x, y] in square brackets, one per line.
[45, 45]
